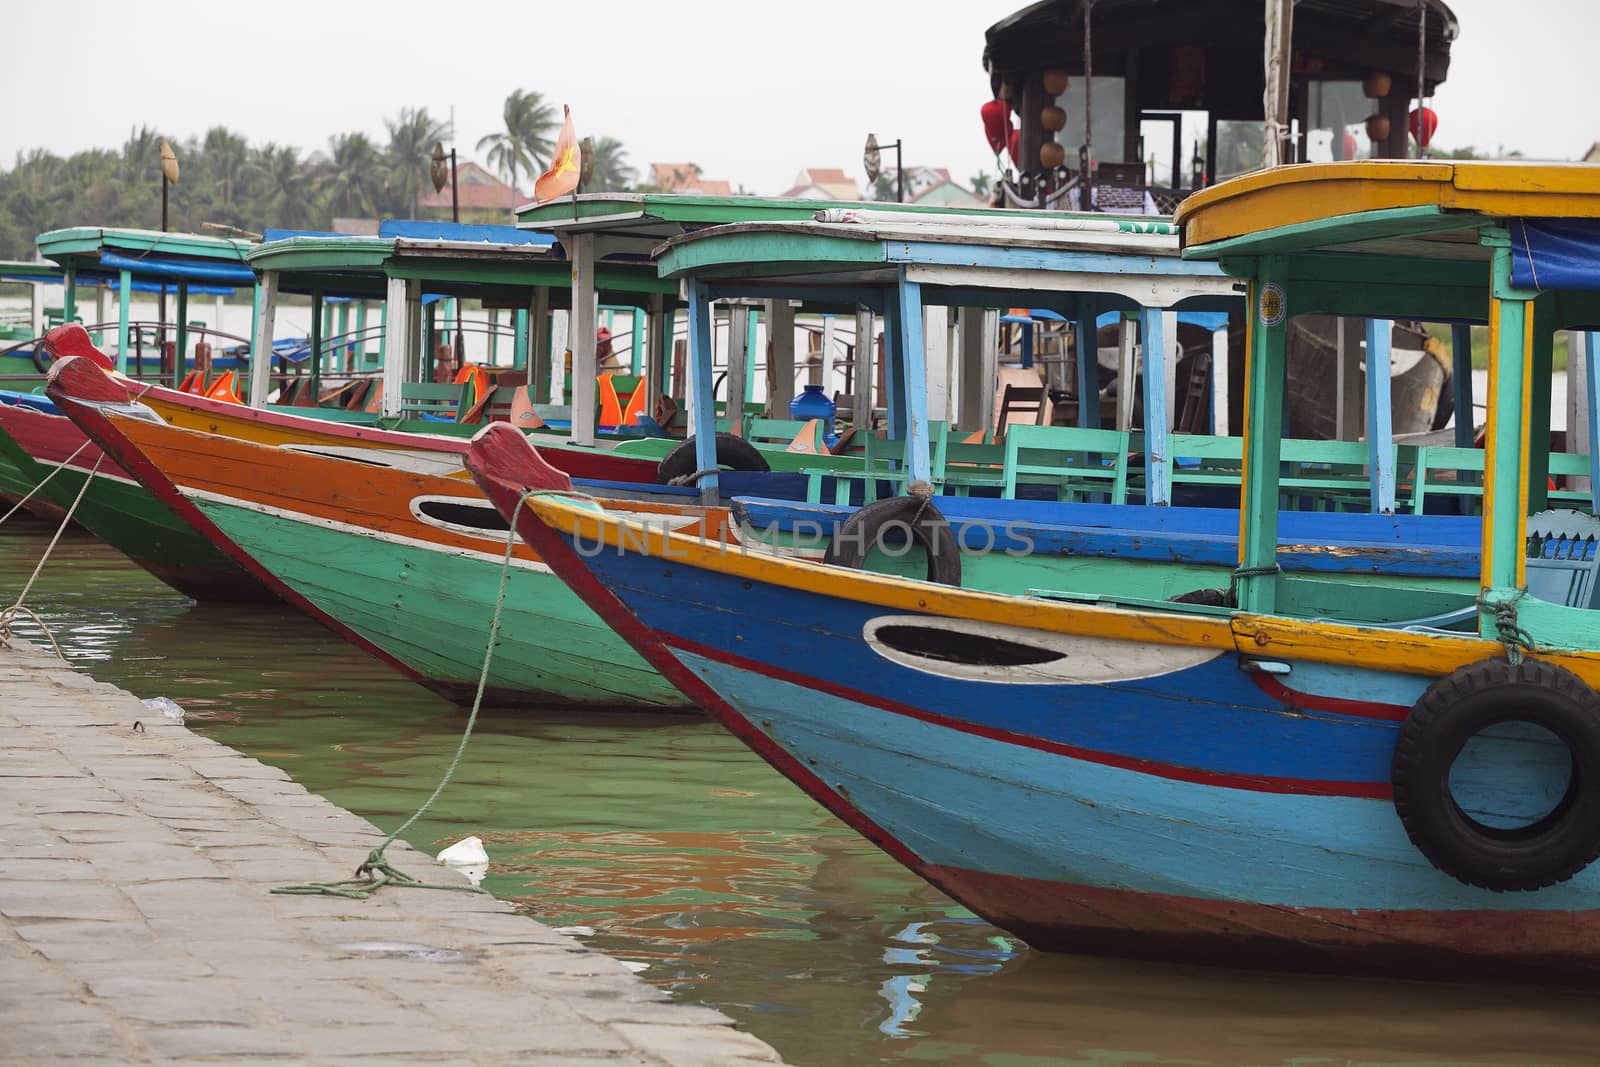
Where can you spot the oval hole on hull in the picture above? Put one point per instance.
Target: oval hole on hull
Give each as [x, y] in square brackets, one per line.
[461, 513]
[975, 650]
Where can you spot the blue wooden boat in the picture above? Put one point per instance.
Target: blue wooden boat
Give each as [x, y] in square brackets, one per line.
[1235, 782]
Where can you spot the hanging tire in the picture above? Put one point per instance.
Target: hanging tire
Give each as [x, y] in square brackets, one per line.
[733, 453]
[1458, 707]
[910, 516]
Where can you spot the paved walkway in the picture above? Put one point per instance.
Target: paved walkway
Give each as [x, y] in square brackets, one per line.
[136, 924]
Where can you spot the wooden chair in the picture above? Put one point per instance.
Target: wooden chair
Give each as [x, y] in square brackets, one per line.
[1563, 557]
[427, 400]
[1017, 400]
[1075, 460]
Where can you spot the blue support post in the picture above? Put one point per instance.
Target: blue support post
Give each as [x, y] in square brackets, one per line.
[124, 293]
[894, 374]
[1591, 342]
[1153, 356]
[1027, 344]
[912, 376]
[1380, 427]
[701, 398]
[1461, 382]
[1087, 332]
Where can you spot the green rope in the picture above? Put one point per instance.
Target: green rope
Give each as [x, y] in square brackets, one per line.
[1507, 627]
[377, 872]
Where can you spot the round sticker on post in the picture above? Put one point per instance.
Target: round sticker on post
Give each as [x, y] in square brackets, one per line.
[1272, 305]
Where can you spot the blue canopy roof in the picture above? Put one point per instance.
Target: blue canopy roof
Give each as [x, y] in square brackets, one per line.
[178, 269]
[1556, 254]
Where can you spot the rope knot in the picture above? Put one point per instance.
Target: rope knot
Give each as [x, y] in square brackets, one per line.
[1506, 624]
[693, 479]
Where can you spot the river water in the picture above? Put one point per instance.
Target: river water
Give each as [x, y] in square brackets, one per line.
[723, 884]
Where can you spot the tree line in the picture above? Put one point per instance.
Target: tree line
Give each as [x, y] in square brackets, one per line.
[227, 181]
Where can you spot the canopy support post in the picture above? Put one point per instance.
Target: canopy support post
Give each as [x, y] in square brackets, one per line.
[780, 358]
[912, 378]
[585, 315]
[1505, 518]
[1086, 339]
[1257, 582]
[396, 345]
[738, 366]
[1153, 349]
[1461, 382]
[539, 345]
[124, 294]
[701, 396]
[1380, 425]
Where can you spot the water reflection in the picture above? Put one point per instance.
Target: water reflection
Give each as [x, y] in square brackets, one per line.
[664, 842]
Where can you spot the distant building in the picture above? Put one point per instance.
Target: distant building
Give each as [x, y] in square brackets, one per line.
[823, 183]
[484, 198]
[685, 178]
[932, 186]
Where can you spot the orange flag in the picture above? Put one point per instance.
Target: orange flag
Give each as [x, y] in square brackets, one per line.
[566, 161]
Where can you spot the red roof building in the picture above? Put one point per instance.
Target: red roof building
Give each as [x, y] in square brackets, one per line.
[685, 178]
[485, 197]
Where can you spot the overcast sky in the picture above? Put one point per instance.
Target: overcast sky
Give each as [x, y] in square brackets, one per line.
[751, 90]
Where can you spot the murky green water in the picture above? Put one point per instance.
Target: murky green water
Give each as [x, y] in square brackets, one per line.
[689, 856]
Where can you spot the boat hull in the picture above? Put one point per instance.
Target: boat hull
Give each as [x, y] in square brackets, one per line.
[117, 509]
[351, 544]
[1143, 793]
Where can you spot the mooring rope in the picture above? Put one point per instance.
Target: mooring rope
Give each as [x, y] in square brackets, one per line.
[45, 481]
[9, 615]
[1507, 627]
[376, 872]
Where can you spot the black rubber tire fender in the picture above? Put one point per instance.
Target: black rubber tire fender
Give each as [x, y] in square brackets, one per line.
[733, 453]
[862, 531]
[1458, 707]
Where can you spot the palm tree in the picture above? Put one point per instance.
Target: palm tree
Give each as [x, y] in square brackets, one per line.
[612, 172]
[286, 186]
[527, 140]
[412, 135]
[225, 155]
[351, 182]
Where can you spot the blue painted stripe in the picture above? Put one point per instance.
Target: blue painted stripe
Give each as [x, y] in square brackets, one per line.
[971, 802]
[1212, 718]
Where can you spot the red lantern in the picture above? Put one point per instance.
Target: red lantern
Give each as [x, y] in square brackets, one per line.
[996, 124]
[1014, 145]
[1428, 120]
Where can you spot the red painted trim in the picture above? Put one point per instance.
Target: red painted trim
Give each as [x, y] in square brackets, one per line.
[1176, 772]
[1365, 709]
[1497, 945]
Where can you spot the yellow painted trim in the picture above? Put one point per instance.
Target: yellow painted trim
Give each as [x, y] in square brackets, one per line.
[886, 590]
[1486, 551]
[1523, 446]
[1429, 655]
[1288, 196]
